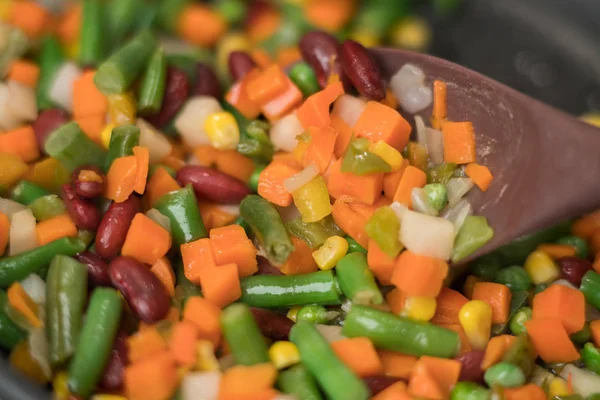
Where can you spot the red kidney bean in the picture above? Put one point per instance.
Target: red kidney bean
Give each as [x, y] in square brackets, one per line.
[240, 64]
[97, 268]
[144, 292]
[266, 268]
[88, 188]
[83, 212]
[379, 383]
[46, 122]
[318, 50]
[273, 325]
[207, 83]
[471, 366]
[362, 70]
[213, 185]
[112, 379]
[574, 268]
[177, 89]
[114, 226]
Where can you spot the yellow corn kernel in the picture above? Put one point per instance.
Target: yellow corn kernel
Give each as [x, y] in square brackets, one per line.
[60, 386]
[558, 387]
[206, 360]
[122, 108]
[541, 268]
[365, 38]
[419, 308]
[476, 319]
[230, 43]
[284, 354]
[411, 33]
[222, 130]
[592, 118]
[389, 154]
[312, 200]
[328, 255]
[293, 312]
[12, 168]
[105, 135]
[108, 397]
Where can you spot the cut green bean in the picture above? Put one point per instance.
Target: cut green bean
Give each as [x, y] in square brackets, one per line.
[590, 286]
[47, 207]
[121, 17]
[26, 192]
[582, 336]
[590, 355]
[245, 340]
[298, 382]
[69, 145]
[181, 207]
[152, 88]
[122, 141]
[169, 12]
[357, 280]
[91, 43]
[51, 58]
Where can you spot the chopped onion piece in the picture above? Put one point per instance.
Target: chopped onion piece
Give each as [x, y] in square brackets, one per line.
[190, 120]
[10, 207]
[420, 202]
[301, 178]
[346, 306]
[201, 386]
[159, 218]
[584, 382]
[408, 85]
[540, 375]
[61, 89]
[399, 209]
[284, 131]
[23, 235]
[427, 235]
[38, 348]
[435, 145]
[421, 131]
[331, 333]
[349, 108]
[415, 99]
[457, 188]
[408, 75]
[22, 102]
[8, 120]
[158, 145]
[35, 287]
[458, 213]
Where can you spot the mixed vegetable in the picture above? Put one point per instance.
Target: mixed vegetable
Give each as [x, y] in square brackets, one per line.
[261, 222]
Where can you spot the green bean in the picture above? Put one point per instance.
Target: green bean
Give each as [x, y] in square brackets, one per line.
[66, 294]
[116, 74]
[270, 291]
[153, 84]
[305, 78]
[27, 192]
[504, 374]
[515, 277]
[245, 340]
[298, 382]
[51, 58]
[181, 207]
[469, 391]
[399, 334]
[580, 245]
[123, 139]
[253, 181]
[590, 286]
[517, 322]
[335, 378]
[242, 222]
[357, 280]
[268, 227]
[169, 12]
[95, 341]
[582, 336]
[254, 139]
[10, 333]
[121, 18]
[354, 247]
[69, 145]
[590, 355]
[91, 46]
[47, 207]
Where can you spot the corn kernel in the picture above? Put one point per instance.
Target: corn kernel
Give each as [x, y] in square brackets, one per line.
[206, 360]
[411, 33]
[365, 38]
[419, 308]
[293, 312]
[476, 319]
[60, 386]
[541, 268]
[389, 154]
[108, 397]
[284, 354]
[332, 251]
[592, 118]
[558, 387]
[122, 108]
[105, 135]
[222, 130]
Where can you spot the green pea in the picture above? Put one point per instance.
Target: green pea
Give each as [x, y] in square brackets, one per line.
[590, 355]
[486, 267]
[517, 322]
[469, 391]
[437, 194]
[581, 246]
[515, 277]
[253, 181]
[582, 336]
[315, 314]
[304, 77]
[504, 374]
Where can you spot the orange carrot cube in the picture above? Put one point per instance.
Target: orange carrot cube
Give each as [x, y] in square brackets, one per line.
[270, 183]
[152, 379]
[350, 222]
[480, 174]
[315, 109]
[55, 228]
[381, 264]
[267, 85]
[221, 285]
[92, 126]
[459, 142]
[344, 135]
[88, 100]
[498, 296]
[395, 299]
[359, 355]
[206, 316]
[391, 180]
[146, 240]
[231, 245]
[145, 344]
[551, 341]
[300, 261]
[21, 142]
[320, 149]
[24, 72]
[411, 178]
[418, 275]
[562, 302]
[182, 343]
[441, 372]
[196, 256]
[396, 364]
[380, 122]
[352, 188]
[448, 304]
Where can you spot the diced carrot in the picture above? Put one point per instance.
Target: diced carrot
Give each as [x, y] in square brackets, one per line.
[391, 180]
[287, 159]
[300, 261]
[92, 126]
[55, 228]
[4, 232]
[562, 302]
[238, 96]
[557, 251]
[142, 156]
[480, 174]
[396, 391]
[395, 299]
[206, 316]
[159, 184]
[87, 99]
[146, 240]
[366, 210]
[449, 303]
[418, 275]
[359, 355]
[315, 109]
[381, 264]
[121, 178]
[264, 23]
[21, 142]
[164, 272]
[270, 183]
[231, 245]
[320, 149]
[380, 122]
[440, 102]
[214, 216]
[350, 222]
[344, 135]
[24, 72]
[207, 155]
[551, 340]
[352, 188]
[201, 25]
[267, 85]
[145, 344]
[459, 142]
[498, 296]
[411, 178]
[329, 15]
[30, 17]
[20, 301]
[443, 372]
[595, 330]
[70, 24]
[495, 350]
[284, 103]
[585, 226]
[465, 345]
[182, 343]
[152, 379]
[239, 381]
[423, 383]
[235, 164]
[397, 364]
[530, 391]
[196, 256]
[172, 317]
[287, 56]
[261, 58]
[175, 163]
[221, 285]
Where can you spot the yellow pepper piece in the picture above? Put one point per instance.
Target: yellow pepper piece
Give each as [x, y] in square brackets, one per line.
[592, 118]
[20, 358]
[558, 387]
[389, 154]
[312, 200]
[293, 312]
[419, 308]
[284, 354]
[476, 319]
[206, 360]
[60, 386]
[300, 149]
[49, 174]
[106, 134]
[365, 38]
[411, 33]
[222, 130]
[332, 251]
[122, 108]
[12, 168]
[541, 268]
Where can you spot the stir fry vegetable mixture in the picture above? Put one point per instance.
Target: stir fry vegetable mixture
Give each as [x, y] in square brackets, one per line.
[282, 238]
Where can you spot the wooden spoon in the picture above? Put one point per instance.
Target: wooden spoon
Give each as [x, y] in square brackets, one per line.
[546, 164]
